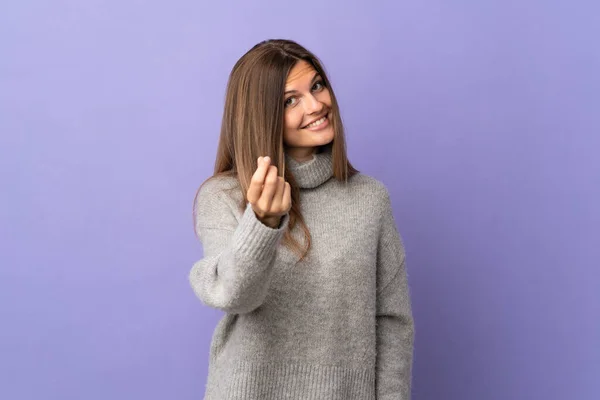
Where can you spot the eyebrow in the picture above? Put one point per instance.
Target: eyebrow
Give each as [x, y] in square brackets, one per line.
[314, 78]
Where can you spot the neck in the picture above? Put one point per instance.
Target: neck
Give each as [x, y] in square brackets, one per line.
[313, 171]
[301, 154]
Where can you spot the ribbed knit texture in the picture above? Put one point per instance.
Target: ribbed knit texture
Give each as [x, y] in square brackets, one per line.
[337, 325]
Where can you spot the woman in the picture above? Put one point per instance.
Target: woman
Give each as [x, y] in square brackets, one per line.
[301, 251]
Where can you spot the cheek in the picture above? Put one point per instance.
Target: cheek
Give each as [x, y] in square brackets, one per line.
[293, 119]
[324, 97]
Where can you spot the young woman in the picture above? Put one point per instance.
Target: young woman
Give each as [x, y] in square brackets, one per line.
[301, 251]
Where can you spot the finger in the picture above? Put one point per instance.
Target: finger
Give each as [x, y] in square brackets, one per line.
[286, 201]
[266, 198]
[278, 196]
[257, 180]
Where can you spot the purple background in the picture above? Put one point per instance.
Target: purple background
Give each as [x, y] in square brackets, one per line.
[483, 118]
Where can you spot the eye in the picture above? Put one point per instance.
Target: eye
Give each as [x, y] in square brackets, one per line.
[290, 101]
[319, 85]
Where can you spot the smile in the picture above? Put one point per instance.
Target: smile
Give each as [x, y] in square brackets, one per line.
[318, 124]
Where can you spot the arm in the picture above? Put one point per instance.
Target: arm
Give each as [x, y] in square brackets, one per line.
[395, 326]
[235, 273]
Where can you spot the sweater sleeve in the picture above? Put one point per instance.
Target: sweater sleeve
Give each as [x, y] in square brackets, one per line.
[395, 326]
[235, 271]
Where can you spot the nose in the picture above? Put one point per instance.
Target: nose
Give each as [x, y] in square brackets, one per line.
[312, 105]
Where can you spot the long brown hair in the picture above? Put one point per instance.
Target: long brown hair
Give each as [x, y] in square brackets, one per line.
[253, 124]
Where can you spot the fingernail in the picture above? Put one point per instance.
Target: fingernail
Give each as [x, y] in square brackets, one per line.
[266, 159]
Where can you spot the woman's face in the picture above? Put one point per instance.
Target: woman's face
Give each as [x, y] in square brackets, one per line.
[307, 108]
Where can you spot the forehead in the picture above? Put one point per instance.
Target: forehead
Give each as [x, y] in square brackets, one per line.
[300, 72]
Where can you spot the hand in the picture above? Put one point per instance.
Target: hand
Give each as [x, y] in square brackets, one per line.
[269, 194]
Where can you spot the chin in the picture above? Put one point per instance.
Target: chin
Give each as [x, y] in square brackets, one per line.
[321, 141]
[306, 138]
[325, 141]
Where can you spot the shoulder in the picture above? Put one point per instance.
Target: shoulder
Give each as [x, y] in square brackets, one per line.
[373, 195]
[218, 187]
[216, 196]
[370, 186]
[217, 184]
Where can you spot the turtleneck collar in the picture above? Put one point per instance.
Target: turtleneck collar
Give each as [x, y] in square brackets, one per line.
[314, 172]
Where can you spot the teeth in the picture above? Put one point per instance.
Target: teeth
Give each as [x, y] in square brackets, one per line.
[317, 122]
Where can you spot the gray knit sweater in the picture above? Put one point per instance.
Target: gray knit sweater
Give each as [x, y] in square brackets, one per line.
[337, 325]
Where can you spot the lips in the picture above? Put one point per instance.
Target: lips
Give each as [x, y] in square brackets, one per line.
[326, 115]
